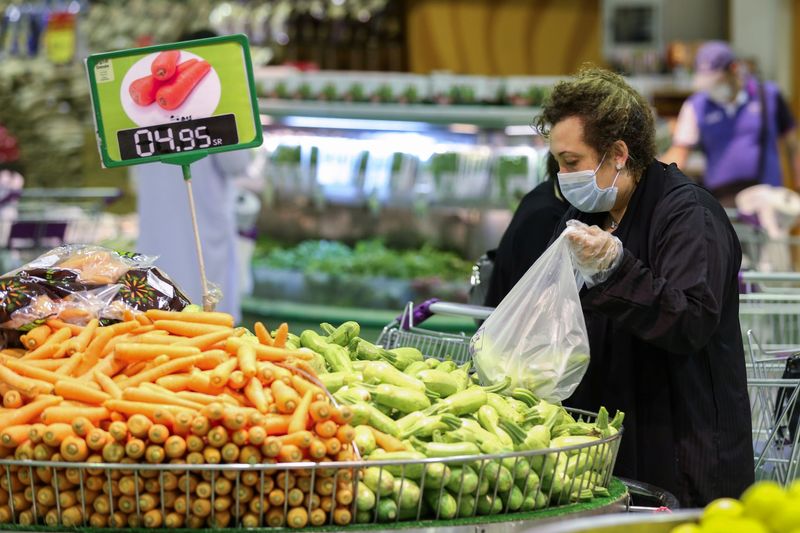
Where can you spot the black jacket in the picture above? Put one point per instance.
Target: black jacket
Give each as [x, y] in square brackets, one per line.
[525, 239]
[665, 341]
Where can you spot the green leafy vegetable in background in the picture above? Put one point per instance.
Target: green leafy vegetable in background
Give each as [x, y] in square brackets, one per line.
[368, 258]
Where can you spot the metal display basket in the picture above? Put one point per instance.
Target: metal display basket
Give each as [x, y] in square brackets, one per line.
[118, 495]
[770, 307]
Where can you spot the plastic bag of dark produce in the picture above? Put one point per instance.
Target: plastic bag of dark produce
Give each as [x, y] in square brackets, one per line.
[536, 338]
[76, 283]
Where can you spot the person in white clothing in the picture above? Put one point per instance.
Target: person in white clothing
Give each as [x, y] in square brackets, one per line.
[165, 226]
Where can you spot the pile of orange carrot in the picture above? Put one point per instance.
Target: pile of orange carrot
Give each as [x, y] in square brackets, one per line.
[169, 387]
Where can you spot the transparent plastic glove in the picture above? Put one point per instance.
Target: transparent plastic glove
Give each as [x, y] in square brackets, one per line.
[596, 253]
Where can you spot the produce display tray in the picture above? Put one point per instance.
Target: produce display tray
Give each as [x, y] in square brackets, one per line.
[616, 502]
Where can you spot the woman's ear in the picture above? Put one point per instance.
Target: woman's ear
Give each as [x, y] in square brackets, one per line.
[619, 151]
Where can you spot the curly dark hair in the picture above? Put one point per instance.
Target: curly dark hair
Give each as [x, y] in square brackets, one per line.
[611, 110]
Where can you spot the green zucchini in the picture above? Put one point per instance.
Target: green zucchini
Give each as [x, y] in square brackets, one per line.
[379, 480]
[377, 372]
[387, 510]
[365, 499]
[443, 505]
[406, 493]
[442, 383]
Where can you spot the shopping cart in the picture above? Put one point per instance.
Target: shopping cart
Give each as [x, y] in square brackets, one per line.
[46, 218]
[774, 394]
[769, 306]
[405, 330]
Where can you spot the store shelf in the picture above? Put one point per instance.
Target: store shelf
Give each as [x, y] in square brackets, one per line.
[485, 116]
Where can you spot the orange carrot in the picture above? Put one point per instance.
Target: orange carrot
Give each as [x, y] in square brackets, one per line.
[56, 324]
[12, 399]
[13, 436]
[57, 432]
[266, 353]
[66, 414]
[333, 446]
[246, 355]
[27, 386]
[155, 412]
[255, 393]
[237, 380]
[121, 328]
[81, 341]
[82, 426]
[95, 349]
[281, 336]
[25, 368]
[290, 454]
[108, 385]
[301, 439]
[205, 341]
[71, 365]
[50, 346]
[276, 424]
[387, 442]
[302, 386]
[142, 319]
[188, 329]
[286, 398]
[317, 449]
[149, 328]
[342, 414]
[132, 352]
[326, 429]
[156, 337]
[140, 394]
[74, 449]
[346, 434]
[176, 365]
[36, 337]
[202, 317]
[300, 415]
[75, 390]
[174, 382]
[263, 334]
[221, 374]
[205, 399]
[320, 411]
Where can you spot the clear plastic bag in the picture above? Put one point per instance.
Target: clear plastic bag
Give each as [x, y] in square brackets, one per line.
[537, 335]
[76, 283]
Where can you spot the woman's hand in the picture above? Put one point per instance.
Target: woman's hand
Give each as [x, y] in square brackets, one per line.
[596, 253]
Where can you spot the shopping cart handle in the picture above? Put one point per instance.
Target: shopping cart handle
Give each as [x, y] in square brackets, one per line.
[422, 312]
[417, 315]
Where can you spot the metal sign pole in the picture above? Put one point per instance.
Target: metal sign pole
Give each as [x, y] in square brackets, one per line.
[187, 178]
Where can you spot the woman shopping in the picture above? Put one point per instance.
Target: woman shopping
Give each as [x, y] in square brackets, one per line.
[660, 260]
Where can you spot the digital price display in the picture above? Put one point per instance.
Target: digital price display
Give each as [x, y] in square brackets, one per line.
[174, 103]
[178, 137]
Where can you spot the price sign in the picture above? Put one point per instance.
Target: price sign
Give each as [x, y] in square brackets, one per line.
[174, 103]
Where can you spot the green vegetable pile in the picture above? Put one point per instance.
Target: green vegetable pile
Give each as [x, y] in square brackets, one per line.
[368, 258]
[407, 407]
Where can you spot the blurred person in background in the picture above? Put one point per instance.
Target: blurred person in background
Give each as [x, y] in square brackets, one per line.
[738, 122]
[527, 235]
[165, 227]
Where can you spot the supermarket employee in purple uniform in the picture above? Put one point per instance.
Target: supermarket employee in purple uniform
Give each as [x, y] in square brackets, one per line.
[737, 121]
[661, 302]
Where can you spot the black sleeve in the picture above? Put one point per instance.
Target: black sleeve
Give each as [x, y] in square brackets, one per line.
[783, 115]
[674, 304]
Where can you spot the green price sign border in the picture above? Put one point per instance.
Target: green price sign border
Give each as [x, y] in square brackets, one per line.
[180, 158]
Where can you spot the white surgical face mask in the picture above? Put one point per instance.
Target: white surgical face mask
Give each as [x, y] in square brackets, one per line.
[581, 190]
[721, 93]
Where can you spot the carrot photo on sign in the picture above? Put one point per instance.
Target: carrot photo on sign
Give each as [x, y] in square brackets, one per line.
[169, 83]
[172, 95]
